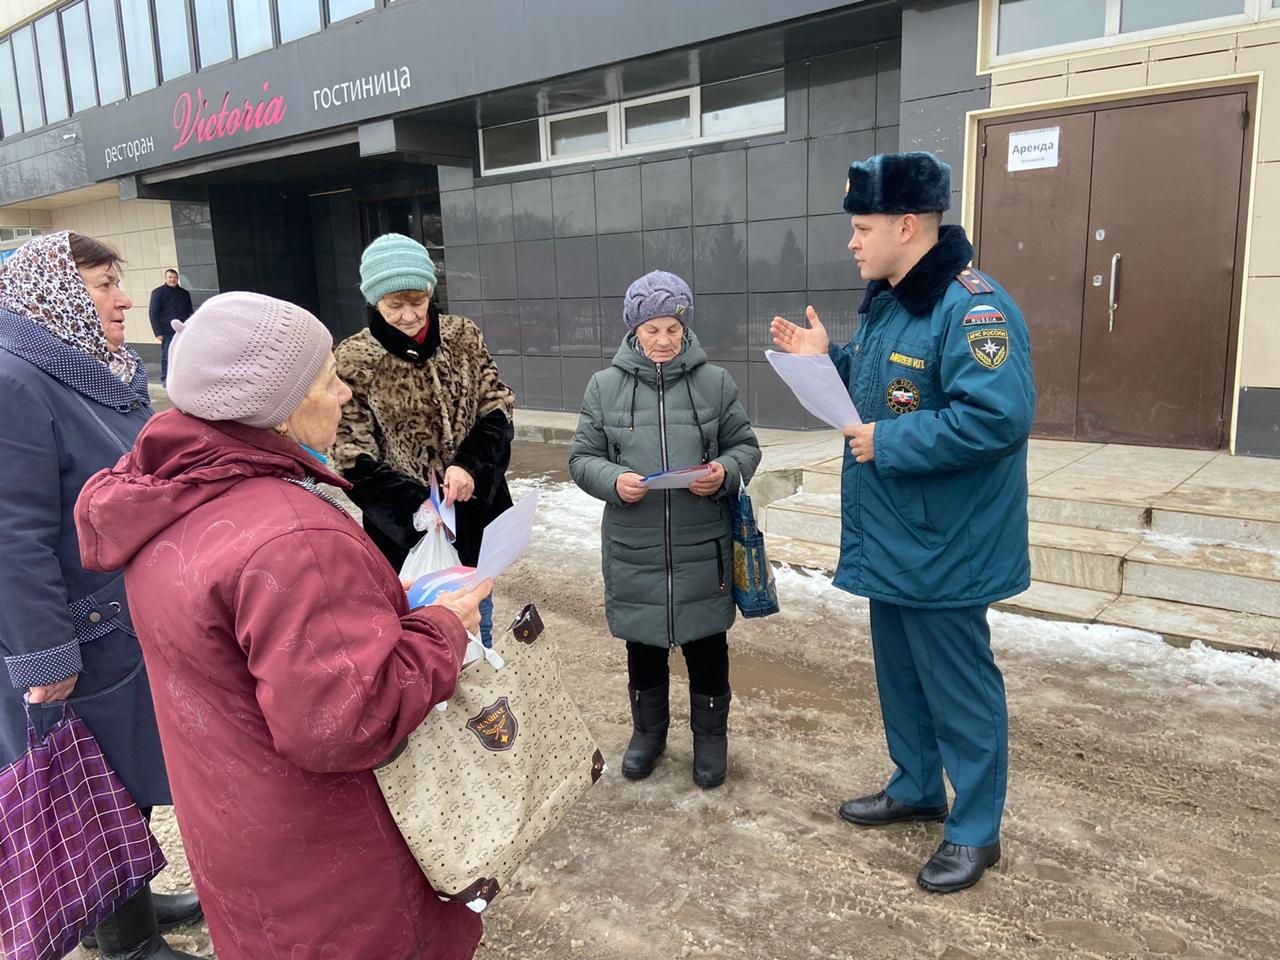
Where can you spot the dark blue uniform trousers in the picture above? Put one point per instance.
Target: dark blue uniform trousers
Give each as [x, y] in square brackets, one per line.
[942, 699]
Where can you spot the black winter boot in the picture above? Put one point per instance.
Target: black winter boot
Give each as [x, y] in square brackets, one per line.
[709, 720]
[650, 717]
[173, 910]
[131, 933]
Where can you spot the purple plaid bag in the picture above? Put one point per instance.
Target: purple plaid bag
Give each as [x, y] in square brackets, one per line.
[73, 845]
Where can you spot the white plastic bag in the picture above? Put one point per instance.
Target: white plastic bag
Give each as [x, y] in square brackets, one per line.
[433, 552]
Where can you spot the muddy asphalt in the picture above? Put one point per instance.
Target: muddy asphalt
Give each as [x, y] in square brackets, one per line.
[1141, 818]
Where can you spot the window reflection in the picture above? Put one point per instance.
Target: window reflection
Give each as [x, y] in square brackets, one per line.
[253, 26]
[106, 50]
[75, 38]
[213, 31]
[175, 45]
[297, 18]
[24, 60]
[55, 87]
[10, 114]
[135, 15]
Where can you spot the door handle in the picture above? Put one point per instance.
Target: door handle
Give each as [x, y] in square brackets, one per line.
[1115, 275]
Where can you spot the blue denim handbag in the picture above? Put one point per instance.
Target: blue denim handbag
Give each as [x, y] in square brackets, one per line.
[754, 590]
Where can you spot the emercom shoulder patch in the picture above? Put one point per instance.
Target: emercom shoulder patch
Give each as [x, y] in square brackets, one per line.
[902, 360]
[989, 346]
[983, 313]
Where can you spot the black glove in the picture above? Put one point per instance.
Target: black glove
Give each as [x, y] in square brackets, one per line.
[388, 498]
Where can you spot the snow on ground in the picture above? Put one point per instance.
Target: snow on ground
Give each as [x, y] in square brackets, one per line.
[570, 519]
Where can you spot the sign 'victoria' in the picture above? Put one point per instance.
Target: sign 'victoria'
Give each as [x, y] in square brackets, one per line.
[190, 116]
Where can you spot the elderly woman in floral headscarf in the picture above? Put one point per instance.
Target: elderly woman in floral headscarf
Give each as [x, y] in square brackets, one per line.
[76, 398]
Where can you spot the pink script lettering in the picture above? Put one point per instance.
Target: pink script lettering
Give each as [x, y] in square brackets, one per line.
[192, 119]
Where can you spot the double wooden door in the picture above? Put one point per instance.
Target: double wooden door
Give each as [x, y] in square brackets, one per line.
[1124, 258]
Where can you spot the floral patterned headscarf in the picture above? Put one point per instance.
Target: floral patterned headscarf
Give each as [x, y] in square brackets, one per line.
[41, 282]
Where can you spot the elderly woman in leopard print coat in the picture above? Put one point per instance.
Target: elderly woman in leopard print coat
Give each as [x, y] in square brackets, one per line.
[426, 398]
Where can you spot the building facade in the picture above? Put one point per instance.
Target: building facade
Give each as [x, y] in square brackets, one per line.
[550, 153]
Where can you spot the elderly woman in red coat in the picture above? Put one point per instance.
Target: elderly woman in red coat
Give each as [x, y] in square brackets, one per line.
[284, 660]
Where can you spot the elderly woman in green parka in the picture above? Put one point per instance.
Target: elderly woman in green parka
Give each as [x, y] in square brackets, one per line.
[667, 554]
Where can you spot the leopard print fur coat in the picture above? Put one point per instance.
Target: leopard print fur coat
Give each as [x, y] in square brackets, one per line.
[415, 416]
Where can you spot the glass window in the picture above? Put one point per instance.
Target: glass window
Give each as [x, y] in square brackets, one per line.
[253, 26]
[1146, 14]
[51, 79]
[106, 50]
[659, 121]
[10, 115]
[75, 38]
[24, 59]
[512, 145]
[213, 31]
[1028, 24]
[139, 55]
[752, 103]
[175, 44]
[297, 18]
[576, 136]
[341, 9]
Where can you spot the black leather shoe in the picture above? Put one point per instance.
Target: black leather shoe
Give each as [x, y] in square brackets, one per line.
[881, 809]
[955, 867]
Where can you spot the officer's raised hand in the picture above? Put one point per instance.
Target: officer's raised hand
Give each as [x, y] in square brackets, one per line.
[790, 338]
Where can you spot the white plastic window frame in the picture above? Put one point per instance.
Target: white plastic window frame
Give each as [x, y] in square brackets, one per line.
[1254, 11]
[617, 133]
[611, 126]
[692, 94]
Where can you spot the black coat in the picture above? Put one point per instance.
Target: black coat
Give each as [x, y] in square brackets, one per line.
[70, 417]
[167, 304]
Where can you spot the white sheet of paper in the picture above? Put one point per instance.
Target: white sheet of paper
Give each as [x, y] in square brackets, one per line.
[676, 479]
[1033, 149]
[506, 537]
[817, 385]
[448, 515]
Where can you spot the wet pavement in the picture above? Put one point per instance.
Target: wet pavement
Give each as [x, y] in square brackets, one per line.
[1140, 821]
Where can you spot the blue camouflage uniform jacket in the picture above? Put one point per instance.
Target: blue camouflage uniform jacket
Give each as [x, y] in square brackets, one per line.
[942, 364]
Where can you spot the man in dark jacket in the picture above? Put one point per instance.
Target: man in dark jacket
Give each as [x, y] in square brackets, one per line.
[934, 501]
[168, 303]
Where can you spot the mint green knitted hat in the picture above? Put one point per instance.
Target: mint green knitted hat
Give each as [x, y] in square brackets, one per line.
[392, 263]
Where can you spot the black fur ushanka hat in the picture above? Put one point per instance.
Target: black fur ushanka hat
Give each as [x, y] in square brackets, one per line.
[896, 183]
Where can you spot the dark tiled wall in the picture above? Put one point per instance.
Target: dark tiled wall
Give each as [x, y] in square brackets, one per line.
[542, 261]
[939, 87]
[1258, 427]
[259, 243]
[335, 234]
[193, 236]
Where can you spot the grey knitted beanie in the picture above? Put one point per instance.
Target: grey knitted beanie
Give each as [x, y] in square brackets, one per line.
[657, 294]
[246, 357]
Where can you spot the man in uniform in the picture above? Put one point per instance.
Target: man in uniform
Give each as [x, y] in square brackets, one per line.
[933, 501]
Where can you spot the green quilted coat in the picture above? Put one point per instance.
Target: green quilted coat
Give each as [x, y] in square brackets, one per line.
[667, 560]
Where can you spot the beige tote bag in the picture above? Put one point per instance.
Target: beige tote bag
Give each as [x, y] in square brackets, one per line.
[483, 780]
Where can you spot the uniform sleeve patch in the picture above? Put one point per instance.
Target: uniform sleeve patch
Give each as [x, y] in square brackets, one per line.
[989, 346]
[983, 313]
[902, 360]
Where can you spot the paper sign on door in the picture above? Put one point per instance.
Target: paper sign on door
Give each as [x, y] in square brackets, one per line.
[1033, 149]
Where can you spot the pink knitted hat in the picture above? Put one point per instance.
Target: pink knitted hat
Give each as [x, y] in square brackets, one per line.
[246, 357]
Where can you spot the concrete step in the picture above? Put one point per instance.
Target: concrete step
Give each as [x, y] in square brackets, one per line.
[801, 553]
[1089, 514]
[1183, 623]
[813, 517]
[1054, 601]
[1208, 575]
[823, 478]
[1238, 530]
[1080, 557]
